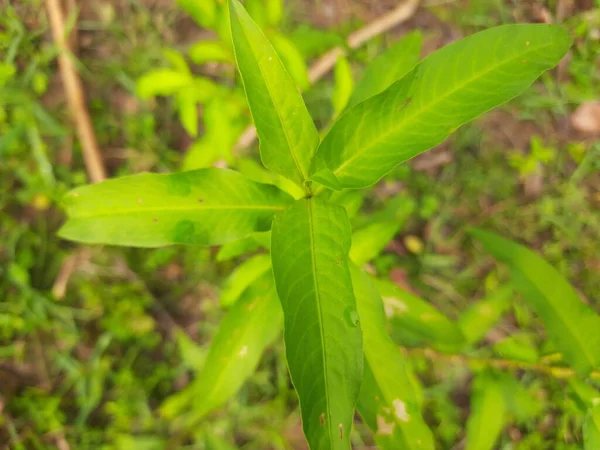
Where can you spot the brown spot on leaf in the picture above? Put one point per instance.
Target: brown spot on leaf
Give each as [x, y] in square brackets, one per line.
[322, 419]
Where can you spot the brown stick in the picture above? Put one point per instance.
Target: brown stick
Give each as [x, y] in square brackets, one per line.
[325, 63]
[74, 94]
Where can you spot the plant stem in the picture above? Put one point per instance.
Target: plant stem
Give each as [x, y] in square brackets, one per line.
[505, 364]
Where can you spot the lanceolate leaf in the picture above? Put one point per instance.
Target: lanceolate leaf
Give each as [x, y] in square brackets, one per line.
[488, 414]
[370, 240]
[388, 67]
[390, 396]
[309, 251]
[288, 137]
[481, 316]
[242, 276]
[415, 315]
[205, 206]
[251, 325]
[573, 326]
[447, 89]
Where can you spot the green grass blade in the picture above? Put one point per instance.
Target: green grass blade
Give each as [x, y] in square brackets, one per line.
[447, 89]
[481, 315]
[287, 134]
[309, 250]
[573, 326]
[250, 326]
[591, 428]
[488, 414]
[390, 396]
[205, 207]
[413, 314]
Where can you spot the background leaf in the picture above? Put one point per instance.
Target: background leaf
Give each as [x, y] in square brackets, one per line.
[309, 250]
[162, 82]
[390, 66]
[487, 418]
[370, 240]
[573, 326]
[390, 395]
[409, 312]
[287, 134]
[292, 59]
[481, 315]
[447, 89]
[205, 207]
[250, 326]
[243, 275]
[591, 428]
[343, 85]
[202, 11]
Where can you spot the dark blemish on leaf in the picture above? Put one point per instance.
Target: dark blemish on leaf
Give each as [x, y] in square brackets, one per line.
[322, 419]
[404, 104]
[155, 219]
[341, 431]
[184, 232]
[200, 200]
[179, 185]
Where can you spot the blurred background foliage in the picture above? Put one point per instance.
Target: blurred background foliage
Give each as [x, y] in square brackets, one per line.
[94, 340]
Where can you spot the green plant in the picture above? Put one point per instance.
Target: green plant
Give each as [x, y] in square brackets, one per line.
[339, 353]
[225, 110]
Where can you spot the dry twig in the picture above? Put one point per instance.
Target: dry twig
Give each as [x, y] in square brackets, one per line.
[74, 95]
[325, 63]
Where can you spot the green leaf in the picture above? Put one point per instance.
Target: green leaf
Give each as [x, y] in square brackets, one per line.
[488, 414]
[210, 51]
[483, 314]
[517, 346]
[573, 326]
[326, 178]
[591, 429]
[523, 403]
[274, 11]
[390, 66]
[390, 396]
[205, 207]
[251, 325]
[309, 251]
[188, 113]
[237, 282]
[287, 134]
[248, 244]
[448, 88]
[369, 241]
[343, 85]
[162, 82]
[202, 11]
[583, 394]
[409, 312]
[291, 59]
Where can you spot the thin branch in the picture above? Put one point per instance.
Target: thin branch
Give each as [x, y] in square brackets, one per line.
[325, 63]
[74, 94]
[504, 364]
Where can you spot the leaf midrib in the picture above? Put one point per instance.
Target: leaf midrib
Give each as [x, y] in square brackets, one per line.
[295, 158]
[432, 105]
[320, 317]
[139, 210]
